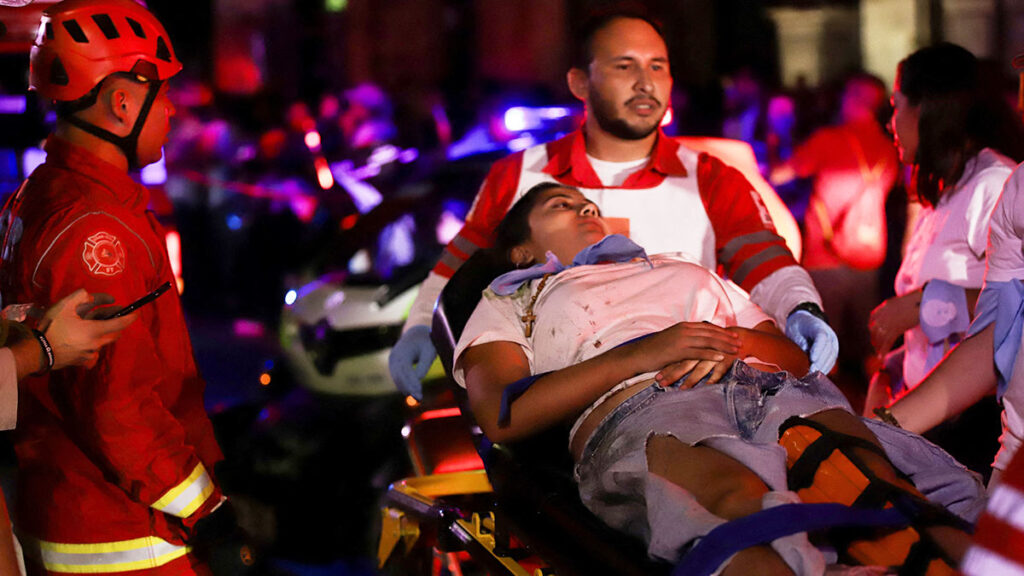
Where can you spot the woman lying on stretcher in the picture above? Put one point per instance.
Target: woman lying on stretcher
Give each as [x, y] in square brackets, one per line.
[680, 388]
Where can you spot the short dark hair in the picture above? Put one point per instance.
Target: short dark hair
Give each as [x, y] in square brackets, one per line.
[598, 19]
[959, 115]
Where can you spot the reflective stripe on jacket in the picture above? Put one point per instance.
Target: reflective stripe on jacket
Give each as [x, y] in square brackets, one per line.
[108, 557]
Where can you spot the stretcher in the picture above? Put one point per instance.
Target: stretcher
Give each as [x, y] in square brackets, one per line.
[500, 509]
[482, 507]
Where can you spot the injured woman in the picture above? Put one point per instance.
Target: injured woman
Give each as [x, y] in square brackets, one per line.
[686, 408]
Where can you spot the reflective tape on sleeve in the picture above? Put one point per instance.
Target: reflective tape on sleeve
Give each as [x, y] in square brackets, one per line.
[748, 266]
[729, 251]
[187, 497]
[1007, 504]
[467, 246]
[107, 557]
[451, 260]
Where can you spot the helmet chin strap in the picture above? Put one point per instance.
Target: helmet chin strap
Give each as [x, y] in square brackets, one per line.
[128, 144]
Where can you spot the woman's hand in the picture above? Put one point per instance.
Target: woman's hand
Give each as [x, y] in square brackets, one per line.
[892, 318]
[690, 349]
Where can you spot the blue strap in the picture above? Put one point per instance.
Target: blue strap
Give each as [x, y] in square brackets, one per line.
[777, 522]
[513, 391]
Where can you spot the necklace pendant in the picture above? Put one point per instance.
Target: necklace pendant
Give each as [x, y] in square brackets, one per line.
[528, 320]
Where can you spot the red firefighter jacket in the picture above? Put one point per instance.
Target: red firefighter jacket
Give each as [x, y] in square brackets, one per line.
[115, 461]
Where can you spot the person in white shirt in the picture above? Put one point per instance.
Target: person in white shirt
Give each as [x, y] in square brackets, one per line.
[674, 434]
[950, 130]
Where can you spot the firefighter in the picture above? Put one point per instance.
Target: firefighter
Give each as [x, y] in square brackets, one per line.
[115, 461]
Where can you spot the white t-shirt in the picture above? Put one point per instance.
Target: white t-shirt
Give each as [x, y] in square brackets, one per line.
[586, 310]
[615, 173]
[1005, 263]
[949, 243]
[1006, 236]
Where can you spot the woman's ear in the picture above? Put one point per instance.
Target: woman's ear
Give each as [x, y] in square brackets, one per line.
[521, 256]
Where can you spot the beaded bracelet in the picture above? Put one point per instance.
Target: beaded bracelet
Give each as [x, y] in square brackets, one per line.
[47, 351]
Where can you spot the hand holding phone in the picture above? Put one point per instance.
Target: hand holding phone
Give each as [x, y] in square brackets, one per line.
[76, 339]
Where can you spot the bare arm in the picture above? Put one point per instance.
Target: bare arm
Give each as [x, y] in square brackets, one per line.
[28, 357]
[77, 338]
[901, 313]
[564, 393]
[767, 343]
[764, 342]
[890, 319]
[963, 377]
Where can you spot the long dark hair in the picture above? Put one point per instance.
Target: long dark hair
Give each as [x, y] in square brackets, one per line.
[462, 292]
[960, 113]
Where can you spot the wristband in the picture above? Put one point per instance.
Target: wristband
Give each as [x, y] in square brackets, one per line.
[811, 308]
[885, 415]
[47, 351]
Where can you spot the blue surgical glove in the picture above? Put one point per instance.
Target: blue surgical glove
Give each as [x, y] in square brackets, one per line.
[410, 360]
[815, 337]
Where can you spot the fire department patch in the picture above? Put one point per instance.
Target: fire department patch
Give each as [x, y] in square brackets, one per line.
[103, 254]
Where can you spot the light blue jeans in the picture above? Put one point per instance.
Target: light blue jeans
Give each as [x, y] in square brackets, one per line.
[739, 416]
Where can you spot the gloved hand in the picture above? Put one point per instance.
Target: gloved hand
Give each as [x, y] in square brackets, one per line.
[410, 360]
[815, 337]
[219, 541]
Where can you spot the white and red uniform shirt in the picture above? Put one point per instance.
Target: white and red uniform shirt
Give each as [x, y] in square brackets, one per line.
[680, 201]
[949, 243]
[114, 461]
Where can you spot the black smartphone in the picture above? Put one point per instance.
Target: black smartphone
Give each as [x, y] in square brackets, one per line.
[142, 301]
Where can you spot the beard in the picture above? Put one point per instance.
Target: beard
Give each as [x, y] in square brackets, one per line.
[605, 113]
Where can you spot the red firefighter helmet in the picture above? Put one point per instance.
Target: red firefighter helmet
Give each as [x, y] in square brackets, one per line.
[81, 42]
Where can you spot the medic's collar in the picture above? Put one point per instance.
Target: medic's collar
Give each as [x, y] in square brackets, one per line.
[569, 165]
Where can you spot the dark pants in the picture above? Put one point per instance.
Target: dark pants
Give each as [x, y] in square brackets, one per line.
[848, 297]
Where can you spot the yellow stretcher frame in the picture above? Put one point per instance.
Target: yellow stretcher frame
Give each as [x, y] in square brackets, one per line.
[415, 501]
